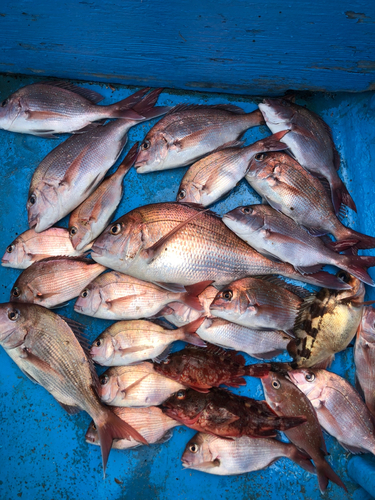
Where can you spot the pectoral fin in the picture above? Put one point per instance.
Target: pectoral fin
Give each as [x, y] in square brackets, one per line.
[73, 170]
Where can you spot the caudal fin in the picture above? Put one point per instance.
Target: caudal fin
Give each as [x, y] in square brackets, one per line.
[340, 195]
[123, 109]
[189, 334]
[325, 473]
[321, 278]
[190, 298]
[356, 265]
[112, 428]
[300, 458]
[363, 241]
[146, 106]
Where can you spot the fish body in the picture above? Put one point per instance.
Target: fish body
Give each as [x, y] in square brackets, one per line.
[261, 304]
[72, 171]
[203, 368]
[151, 423]
[227, 457]
[49, 108]
[180, 314]
[175, 243]
[326, 324]
[89, 219]
[338, 407]
[225, 414]
[54, 281]
[30, 247]
[261, 344]
[189, 132]
[135, 386]
[287, 400]
[277, 236]
[290, 189]
[214, 176]
[364, 357]
[127, 342]
[45, 348]
[118, 296]
[310, 142]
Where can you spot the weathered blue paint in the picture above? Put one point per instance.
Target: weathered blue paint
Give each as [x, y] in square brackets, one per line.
[43, 452]
[234, 46]
[362, 470]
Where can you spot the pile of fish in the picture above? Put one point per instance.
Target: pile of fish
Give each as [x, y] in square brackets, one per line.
[177, 271]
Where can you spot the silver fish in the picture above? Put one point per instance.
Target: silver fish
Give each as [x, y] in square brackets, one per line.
[214, 176]
[151, 423]
[118, 296]
[55, 107]
[261, 344]
[277, 236]
[364, 357]
[45, 348]
[89, 219]
[72, 171]
[310, 142]
[189, 132]
[135, 386]
[338, 407]
[30, 247]
[226, 457]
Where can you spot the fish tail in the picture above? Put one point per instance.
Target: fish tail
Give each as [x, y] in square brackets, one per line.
[357, 265]
[321, 278]
[146, 106]
[189, 335]
[255, 118]
[112, 427]
[361, 241]
[123, 109]
[326, 473]
[300, 458]
[129, 160]
[340, 195]
[190, 298]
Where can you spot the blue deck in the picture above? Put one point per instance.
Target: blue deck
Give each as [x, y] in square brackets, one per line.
[43, 451]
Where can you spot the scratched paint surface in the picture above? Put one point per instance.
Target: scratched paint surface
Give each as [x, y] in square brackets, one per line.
[43, 451]
[235, 46]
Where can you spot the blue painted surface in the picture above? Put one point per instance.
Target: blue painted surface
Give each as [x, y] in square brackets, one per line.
[235, 46]
[43, 452]
[362, 470]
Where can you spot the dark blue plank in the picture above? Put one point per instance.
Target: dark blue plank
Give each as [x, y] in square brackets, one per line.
[43, 452]
[229, 45]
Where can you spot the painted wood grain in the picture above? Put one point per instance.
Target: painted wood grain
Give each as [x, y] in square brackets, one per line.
[237, 46]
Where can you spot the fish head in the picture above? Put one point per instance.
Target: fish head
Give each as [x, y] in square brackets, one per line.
[89, 300]
[234, 301]
[119, 243]
[153, 152]
[276, 388]
[92, 435]
[171, 367]
[264, 165]
[80, 234]
[23, 292]
[197, 453]
[14, 325]
[102, 349]
[192, 192]
[244, 220]
[367, 327]
[277, 113]
[43, 207]
[310, 382]
[109, 387]
[357, 291]
[10, 109]
[15, 254]
[184, 405]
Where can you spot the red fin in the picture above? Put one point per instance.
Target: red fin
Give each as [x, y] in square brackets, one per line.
[88, 94]
[74, 167]
[43, 115]
[302, 459]
[128, 161]
[190, 335]
[41, 364]
[225, 107]
[236, 382]
[325, 472]
[190, 298]
[355, 265]
[340, 195]
[339, 246]
[146, 108]
[114, 428]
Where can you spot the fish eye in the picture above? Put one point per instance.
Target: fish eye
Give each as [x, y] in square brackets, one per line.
[247, 210]
[13, 315]
[259, 156]
[103, 379]
[32, 199]
[115, 229]
[194, 448]
[227, 294]
[98, 342]
[145, 145]
[182, 194]
[73, 231]
[84, 293]
[94, 427]
[4, 103]
[181, 395]
[276, 384]
[10, 248]
[16, 292]
[310, 376]
[344, 276]
[166, 361]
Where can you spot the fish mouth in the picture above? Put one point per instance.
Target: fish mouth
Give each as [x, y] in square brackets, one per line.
[140, 163]
[97, 250]
[33, 221]
[229, 216]
[78, 308]
[185, 463]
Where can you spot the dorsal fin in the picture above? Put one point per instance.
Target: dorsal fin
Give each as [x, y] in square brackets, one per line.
[224, 107]
[297, 290]
[90, 95]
